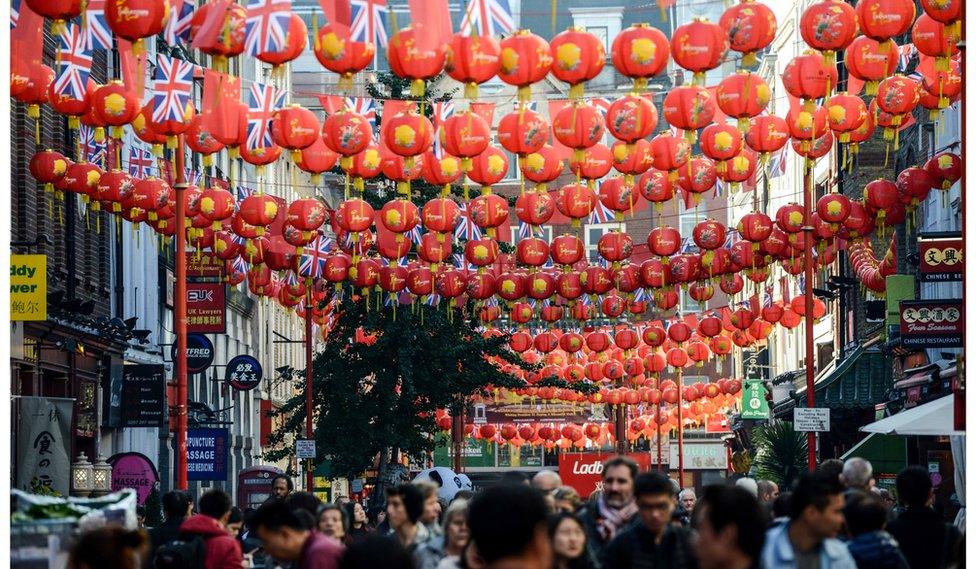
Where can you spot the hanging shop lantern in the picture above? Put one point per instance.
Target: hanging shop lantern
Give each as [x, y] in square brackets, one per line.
[656, 187]
[809, 77]
[465, 134]
[340, 54]
[489, 167]
[408, 134]
[201, 141]
[48, 167]
[829, 26]
[316, 159]
[742, 96]
[845, 113]
[750, 27]
[670, 153]
[489, 211]
[567, 250]
[363, 166]
[592, 163]
[697, 177]
[578, 126]
[885, 19]
[720, 141]
[410, 61]
[541, 167]
[346, 133]
[737, 170]
[631, 159]
[442, 171]
[228, 43]
[699, 46]
[294, 128]
[472, 60]
[767, 134]
[631, 118]
[577, 57]
[618, 196]
[664, 241]
[640, 52]
[115, 106]
[532, 252]
[525, 59]
[575, 201]
[946, 168]
[534, 208]
[689, 108]
[871, 61]
[523, 132]
[134, 20]
[933, 38]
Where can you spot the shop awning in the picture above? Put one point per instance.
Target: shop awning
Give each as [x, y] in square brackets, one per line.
[934, 419]
[859, 381]
[888, 454]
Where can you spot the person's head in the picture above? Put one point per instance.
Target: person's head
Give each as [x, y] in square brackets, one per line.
[619, 473]
[109, 547]
[305, 505]
[730, 526]
[404, 505]
[567, 535]
[235, 521]
[857, 473]
[356, 514]
[376, 515]
[886, 498]
[567, 499]
[781, 505]
[509, 522]
[749, 485]
[864, 512]
[546, 480]
[281, 486]
[215, 504]
[818, 504]
[687, 499]
[456, 532]
[341, 500]
[282, 530]
[768, 490]
[463, 495]
[376, 551]
[655, 500]
[332, 521]
[514, 477]
[141, 515]
[432, 508]
[177, 504]
[832, 466]
[914, 487]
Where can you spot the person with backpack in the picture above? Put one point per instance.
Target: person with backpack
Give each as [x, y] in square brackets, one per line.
[177, 506]
[203, 542]
[925, 537]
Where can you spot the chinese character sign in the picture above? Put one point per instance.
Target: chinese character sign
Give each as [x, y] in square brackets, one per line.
[43, 444]
[28, 287]
[754, 404]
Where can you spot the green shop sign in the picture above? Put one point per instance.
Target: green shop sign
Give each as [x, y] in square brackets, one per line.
[754, 404]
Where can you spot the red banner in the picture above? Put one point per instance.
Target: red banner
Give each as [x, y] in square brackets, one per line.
[205, 308]
[584, 470]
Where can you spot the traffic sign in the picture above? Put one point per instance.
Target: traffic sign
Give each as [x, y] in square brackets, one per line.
[815, 419]
[305, 448]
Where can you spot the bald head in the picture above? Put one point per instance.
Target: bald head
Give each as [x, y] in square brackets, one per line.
[546, 481]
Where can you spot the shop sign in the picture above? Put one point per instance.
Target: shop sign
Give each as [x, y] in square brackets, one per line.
[512, 408]
[134, 470]
[243, 373]
[205, 266]
[207, 451]
[199, 353]
[701, 455]
[143, 395]
[584, 470]
[932, 323]
[474, 453]
[28, 287]
[940, 258]
[43, 439]
[206, 308]
[754, 404]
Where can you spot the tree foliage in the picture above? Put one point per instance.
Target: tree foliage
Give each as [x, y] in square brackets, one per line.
[781, 452]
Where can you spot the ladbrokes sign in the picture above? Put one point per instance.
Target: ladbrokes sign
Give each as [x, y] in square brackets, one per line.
[584, 470]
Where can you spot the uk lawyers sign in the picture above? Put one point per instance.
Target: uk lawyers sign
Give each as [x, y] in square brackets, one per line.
[207, 451]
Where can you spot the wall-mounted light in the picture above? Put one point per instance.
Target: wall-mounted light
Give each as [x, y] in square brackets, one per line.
[82, 477]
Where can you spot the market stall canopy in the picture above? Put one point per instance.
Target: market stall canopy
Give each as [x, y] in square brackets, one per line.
[931, 419]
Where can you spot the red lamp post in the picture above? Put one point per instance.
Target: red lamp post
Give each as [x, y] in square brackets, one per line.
[182, 481]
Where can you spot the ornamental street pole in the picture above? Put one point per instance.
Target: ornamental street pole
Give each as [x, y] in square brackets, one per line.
[308, 386]
[457, 441]
[808, 302]
[179, 316]
[681, 429]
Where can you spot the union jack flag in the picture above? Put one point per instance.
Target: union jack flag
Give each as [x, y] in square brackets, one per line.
[801, 284]
[465, 228]
[442, 110]
[173, 86]
[267, 25]
[262, 102]
[178, 26]
[601, 214]
[240, 265]
[314, 256]
[369, 21]
[721, 188]
[905, 53]
[525, 231]
[243, 192]
[687, 246]
[640, 295]
[92, 151]
[777, 164]
[140, 162]
[767, 297]
[415, 234]
[97, 33]
[14, 13]
[461, 263]
[191, 176]
[731, 238]
[490, 17]
[364, 106]
[75, 65]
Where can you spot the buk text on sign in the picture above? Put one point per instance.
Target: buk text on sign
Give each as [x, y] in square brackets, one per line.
[28, 287]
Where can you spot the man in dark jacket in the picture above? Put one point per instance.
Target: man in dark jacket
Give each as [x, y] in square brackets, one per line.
[655, 541]
[614, 510]
[925, 537]
[870, 545]
[223, 550]
[177, 506]
[287, 538]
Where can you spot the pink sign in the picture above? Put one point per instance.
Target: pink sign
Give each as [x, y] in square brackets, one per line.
[136, 471]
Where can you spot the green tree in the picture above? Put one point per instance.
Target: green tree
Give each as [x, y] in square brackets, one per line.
[781, 452]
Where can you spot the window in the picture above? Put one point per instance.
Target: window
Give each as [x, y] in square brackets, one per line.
[592, 233]
[688, 305]
[688, 218]
[513, 168]
[544, 232]
[604, 22]
[601, 32]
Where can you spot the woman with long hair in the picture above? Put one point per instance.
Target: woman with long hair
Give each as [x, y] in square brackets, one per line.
[568, 542]
[356, 518]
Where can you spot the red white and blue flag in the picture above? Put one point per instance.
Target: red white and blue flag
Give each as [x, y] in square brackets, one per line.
[466, 228]
[97, 33]
[601, 214]
[905, 53]
[602, 104]
[262, 102]
[369, 21]
[244, 192]
[240, 265]
[178, 27]
[140, 162]
[267, 26]
[75, 64]
[488, 18]
[442, 110]
[14, 13]
[173, 87]
[777, 164]
[314, 257]
[364, 106]
[731, 238]
[92, 151]
[768, 296]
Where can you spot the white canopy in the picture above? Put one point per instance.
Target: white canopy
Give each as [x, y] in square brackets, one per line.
[931, 419]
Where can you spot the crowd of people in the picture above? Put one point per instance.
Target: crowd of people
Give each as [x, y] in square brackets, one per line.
[832, 518]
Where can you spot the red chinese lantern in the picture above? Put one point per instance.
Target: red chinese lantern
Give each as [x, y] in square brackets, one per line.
[884, 19]
[134, 20]
[618, 196]
[720, 141]
[316, 160]
[82, 178]
[631, 118]
[879, 196]
[640, 52]
[833, 208]
[363, 166]
[228, 43]
[949, 12]
[408, 134]
[743, 95]
[789, 218]
[670, 153]
[946, 168]
[440, 215]
[35, 92]
[399, 216]
[115, 106]
[48, 167]
[755, 227]
[828, 26]
[845, 113]
[699, 46]
[631, 159]
[525, 59]
[488, 212]
[399, 170]
[201, 141]
[751, 27]
[689, 108]
[731, 283]
[767, 134]
[664, 241]
[697, 177]
[151, 195]
[294, 128]
[523, 132]
[945, 84]
[567, 249]
[578, 126]
[738, 169]
[532, 251]
[353, 215]
[442, 171]
[534, 208]
[481, 252]
[615, 246]
[806, 125]
[897, 95]
[709, 234]
[809, 77]
[914, 185]
[541, 167]
[578, 56]
[465, 134]
[294, 44]
[870, 61]
[472, 60]
[815, 149]
[489, 167]
[656, 187]
[935, 39]
[340, 54]
[70, 106]
[411, 61]
[346, 133]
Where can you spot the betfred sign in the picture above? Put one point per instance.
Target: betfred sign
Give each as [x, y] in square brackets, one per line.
[584, 470]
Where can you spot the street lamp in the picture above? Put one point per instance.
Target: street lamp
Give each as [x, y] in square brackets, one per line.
[101, 477]
[82, 474]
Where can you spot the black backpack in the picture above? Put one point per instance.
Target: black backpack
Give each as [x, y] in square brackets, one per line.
[188, 551]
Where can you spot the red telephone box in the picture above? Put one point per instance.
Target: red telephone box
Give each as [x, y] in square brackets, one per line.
[254, 485]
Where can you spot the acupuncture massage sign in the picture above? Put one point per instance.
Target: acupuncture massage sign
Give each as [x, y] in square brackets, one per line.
[207, 453]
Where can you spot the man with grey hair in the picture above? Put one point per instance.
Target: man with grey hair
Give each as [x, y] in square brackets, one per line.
[857, 475]
[546, 481]
[749, 485]
[768, 490]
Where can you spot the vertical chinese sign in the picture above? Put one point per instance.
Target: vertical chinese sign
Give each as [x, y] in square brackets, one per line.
[44, 444]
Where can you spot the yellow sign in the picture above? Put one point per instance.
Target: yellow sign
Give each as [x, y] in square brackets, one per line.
[28, 287]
